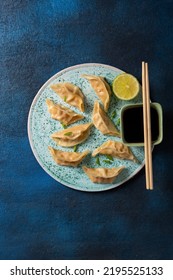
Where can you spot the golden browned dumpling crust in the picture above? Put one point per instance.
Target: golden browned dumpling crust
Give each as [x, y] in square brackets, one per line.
[103, 175]
[72, 136]
[115, 149]
[102, 122]
[67, 158]
[101, 88]
[62, 114]
[70, 93]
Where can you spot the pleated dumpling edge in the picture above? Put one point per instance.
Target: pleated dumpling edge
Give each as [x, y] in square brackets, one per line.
[67, 158]
[62, 114]
[70, 94]
[102, 122]
[102, 175]
[72, 136]
[101, 88]
[115, 149]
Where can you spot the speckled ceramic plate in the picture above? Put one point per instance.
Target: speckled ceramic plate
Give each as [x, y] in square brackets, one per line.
[41, 126]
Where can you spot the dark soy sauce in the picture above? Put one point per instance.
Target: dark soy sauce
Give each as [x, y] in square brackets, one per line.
[133, 125]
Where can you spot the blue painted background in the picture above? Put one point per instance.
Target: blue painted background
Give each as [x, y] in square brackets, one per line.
[39, 218]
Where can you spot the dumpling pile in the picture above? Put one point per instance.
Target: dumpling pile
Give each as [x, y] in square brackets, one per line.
[77, 134]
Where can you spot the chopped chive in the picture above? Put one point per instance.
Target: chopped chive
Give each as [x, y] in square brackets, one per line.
[110, 157]
[118, 122]
[75, 148]
[63, 125]
[65, 98]
[107, 161]
[98, 161]
[113, 114]
[68, 133]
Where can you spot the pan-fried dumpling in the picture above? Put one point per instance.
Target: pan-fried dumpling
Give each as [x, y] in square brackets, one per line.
[70, 93]
[101, 88]
[115, 149]
[62, 114]
[102, 121]
[67, 158]
[72, 136]
[103, 175]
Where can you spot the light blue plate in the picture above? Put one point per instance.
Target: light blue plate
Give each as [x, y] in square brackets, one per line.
[41, 126]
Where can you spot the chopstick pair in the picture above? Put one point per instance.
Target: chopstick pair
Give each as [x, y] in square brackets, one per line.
[147, 127]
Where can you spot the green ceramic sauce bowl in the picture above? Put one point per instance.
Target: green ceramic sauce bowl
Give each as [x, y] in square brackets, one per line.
[132, 124]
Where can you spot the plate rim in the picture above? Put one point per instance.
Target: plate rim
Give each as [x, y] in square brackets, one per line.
[31, 140]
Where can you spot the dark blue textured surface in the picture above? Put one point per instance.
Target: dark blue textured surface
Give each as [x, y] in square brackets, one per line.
[39, 218]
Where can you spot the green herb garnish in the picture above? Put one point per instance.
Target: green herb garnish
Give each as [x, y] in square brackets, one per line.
[98, 161]
[75, 148]
[118, 122]
[63, 125]
[110, 157]
[107, 161]
[68, 133]
[113, 114]
[65, 98]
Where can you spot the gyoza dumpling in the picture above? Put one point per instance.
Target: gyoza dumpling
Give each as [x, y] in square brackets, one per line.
[102, 121]
[62, 114]
[115, 149]
[67, 158]
[102, 175]
[101, 88]
[70, 94]
[73, 135]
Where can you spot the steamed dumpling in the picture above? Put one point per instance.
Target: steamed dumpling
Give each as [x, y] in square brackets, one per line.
[73, 135]
[71, 94]
[67, 158]
[102, 175]
[102, 121]
[62, 114]
[101, 88]
[115, 149]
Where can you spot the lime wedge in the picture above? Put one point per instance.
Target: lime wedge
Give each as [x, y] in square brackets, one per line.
[125, 86]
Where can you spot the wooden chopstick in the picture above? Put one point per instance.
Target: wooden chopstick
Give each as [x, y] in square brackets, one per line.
[147, 127]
